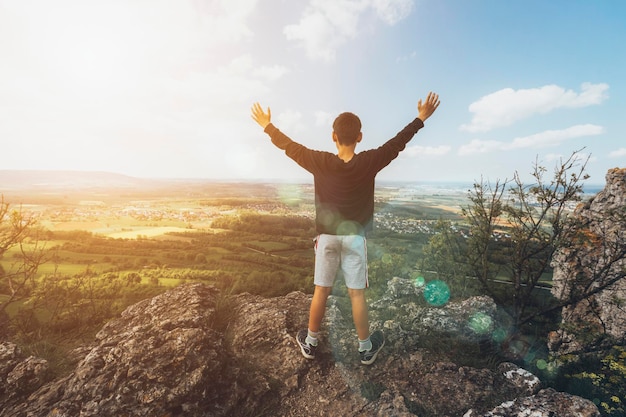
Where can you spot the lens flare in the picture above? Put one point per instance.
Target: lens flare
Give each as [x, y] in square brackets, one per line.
[499, 335]
[419, 281]
[530, 357]
[289, 194]
[542, 364]
[437, 293]
[348, 228]
[480, 323]
[552, 368]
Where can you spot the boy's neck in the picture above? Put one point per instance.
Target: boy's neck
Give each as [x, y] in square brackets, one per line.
[345, 153]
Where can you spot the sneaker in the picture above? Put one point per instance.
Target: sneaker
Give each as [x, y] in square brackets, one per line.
[378, 341]
[308, 351]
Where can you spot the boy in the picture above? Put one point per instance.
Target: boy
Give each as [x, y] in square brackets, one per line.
[344, 208]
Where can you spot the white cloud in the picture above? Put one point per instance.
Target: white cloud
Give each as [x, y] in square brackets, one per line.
[481, 146]
[228, 17]
[548, 138]
[290, 121]
[553, 157]
[239, 65]
[417, 151]
[578, 157]
[618, 153]
[328, 24]
[507, 106]
[551, 138]
[324, 119]
[271, 73]
[392, 11]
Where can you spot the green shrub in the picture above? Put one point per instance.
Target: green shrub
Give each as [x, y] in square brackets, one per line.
[600, 378]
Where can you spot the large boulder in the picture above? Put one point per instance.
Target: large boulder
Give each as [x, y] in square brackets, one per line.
[594, 256]
[19, 375]
[546, 403]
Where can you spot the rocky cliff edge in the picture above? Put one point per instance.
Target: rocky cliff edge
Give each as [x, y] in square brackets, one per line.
[194, 351]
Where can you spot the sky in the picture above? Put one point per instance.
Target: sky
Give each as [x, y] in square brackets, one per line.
[163, 88]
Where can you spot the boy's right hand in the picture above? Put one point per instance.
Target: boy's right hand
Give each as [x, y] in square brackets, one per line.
[428, 108]
[259, 116]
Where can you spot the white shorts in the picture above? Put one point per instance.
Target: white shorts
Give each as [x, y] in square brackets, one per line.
[345, 253]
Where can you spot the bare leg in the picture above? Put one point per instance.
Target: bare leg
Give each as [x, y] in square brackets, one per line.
[359, 313]
[318, 307]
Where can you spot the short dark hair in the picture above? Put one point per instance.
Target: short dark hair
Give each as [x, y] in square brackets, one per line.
[347, 126]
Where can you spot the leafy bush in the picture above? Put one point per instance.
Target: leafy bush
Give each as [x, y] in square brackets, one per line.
[600, 378]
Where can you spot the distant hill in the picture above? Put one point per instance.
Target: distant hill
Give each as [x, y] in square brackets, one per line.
[55, 187]
[35, 179]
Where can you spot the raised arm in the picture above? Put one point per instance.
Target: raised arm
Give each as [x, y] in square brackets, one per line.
[259, 116]
[428, 108]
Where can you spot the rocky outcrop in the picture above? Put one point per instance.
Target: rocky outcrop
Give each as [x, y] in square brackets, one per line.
[546, 403]
[19, 375]
[594, 256]
[194, 351]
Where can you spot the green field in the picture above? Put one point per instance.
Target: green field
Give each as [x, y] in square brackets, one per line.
[114, 248]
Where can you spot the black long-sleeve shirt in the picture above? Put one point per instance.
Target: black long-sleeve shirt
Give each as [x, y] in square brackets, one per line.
[344, 191]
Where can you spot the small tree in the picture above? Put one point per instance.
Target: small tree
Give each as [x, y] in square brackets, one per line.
[18, 230]
[445, 255]
[515, 229]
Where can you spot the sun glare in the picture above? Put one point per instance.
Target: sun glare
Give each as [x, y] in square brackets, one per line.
[89, 51]
[95, 63]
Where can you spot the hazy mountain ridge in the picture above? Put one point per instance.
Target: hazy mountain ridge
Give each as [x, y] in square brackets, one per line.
[63, 187]
[35, 180]
[31, 179]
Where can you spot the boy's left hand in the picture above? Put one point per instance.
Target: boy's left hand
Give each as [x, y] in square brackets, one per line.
[259, 116]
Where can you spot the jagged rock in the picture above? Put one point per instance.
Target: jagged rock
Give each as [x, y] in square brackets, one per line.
[4, 325]
[547, 403]
[194, 352]
[402, 310]
[9, 357]
[601, 222]
[523, 381]
[19, 375]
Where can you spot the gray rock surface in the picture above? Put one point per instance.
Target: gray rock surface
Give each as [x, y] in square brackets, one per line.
[547, 403]
[594, 259]
[193, 351]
